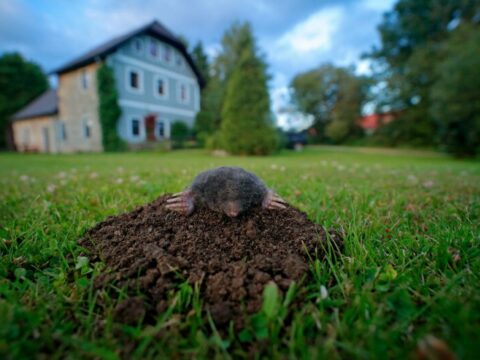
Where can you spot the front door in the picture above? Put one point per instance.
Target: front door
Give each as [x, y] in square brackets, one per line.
[46, 139]
[150, 127]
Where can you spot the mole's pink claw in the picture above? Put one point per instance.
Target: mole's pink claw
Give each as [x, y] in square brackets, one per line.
[181, 202]
[273, 201]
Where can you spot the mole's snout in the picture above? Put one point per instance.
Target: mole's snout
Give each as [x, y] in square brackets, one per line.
[232, 209]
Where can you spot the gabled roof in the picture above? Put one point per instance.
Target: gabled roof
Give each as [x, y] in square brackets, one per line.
[45, 104]
[154, 29]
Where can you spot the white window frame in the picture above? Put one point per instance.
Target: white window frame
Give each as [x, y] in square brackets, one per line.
[136, 63]
[61, 130]
[179, 92]
[134, 47]
[157, 130]
[84, 75]
[128, 86]
[26, 136]
[157, 77]
[140, 126]
[87, 123]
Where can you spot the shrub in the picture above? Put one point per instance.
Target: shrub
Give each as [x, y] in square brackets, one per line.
[179, 133]
[108, 110]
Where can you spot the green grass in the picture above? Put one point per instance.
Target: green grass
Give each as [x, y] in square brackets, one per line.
[410, 265]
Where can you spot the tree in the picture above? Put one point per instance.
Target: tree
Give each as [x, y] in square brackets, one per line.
[411, 36]
[201, 61]
[108, 110]
[334, 96]
[246, 126]
[235, 41]
[208, 121]
[455, 104]
[21, 81]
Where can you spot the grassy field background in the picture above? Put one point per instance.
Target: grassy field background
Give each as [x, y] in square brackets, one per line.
[410, 267]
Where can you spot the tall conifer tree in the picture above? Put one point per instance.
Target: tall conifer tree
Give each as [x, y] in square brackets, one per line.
[246, 127]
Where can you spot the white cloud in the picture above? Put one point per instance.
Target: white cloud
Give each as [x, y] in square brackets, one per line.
[116, 22]
[212, 50]
[313, 34]
[364, 67]
[279, 97]
[295, 35]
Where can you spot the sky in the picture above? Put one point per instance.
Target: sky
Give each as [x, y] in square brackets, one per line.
[293, 35]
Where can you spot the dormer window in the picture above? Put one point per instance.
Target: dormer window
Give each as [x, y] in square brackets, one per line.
[178, 60]
[168, 53]
[153, 48]
[137, 46]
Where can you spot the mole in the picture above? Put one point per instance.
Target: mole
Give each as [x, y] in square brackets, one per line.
[227, 189]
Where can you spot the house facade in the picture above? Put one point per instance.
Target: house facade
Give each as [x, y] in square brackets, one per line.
[157, 84]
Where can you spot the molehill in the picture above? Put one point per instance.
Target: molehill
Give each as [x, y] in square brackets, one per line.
[152, 250]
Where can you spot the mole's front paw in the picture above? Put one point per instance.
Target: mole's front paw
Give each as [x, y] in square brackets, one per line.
[181, 202]
[273, 201]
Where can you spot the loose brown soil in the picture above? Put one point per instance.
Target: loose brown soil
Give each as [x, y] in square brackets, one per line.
[151, 250]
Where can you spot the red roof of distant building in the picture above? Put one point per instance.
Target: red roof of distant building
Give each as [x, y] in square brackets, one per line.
[374, 121]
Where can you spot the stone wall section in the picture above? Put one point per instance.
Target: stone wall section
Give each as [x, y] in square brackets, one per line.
[78, 108]
[35, 134]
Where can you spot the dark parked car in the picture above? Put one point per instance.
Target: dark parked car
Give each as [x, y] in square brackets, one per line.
[296, 140]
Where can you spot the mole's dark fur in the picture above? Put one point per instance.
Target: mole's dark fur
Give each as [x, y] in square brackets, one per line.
[230, 190]
[216, 188]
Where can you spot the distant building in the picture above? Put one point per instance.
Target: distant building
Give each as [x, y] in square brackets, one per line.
[371, 123]
[157, 84]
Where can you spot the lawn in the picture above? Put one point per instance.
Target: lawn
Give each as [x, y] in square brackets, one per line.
[410, 267]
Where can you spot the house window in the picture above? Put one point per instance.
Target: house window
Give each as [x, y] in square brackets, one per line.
[84, 80]
[160, 129]
[135, 127]
[183, 95]
[168, 53]
[183, 92]
[134, 80]
[87, 128]
[26, 137]
[160, 86]
[137, 46]
[61, 131]
[153, 48]
[178, 60]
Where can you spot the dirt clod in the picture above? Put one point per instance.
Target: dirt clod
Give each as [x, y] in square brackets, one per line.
[152, 250]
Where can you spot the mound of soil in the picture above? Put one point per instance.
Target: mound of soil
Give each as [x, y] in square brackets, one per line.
[153, 250]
